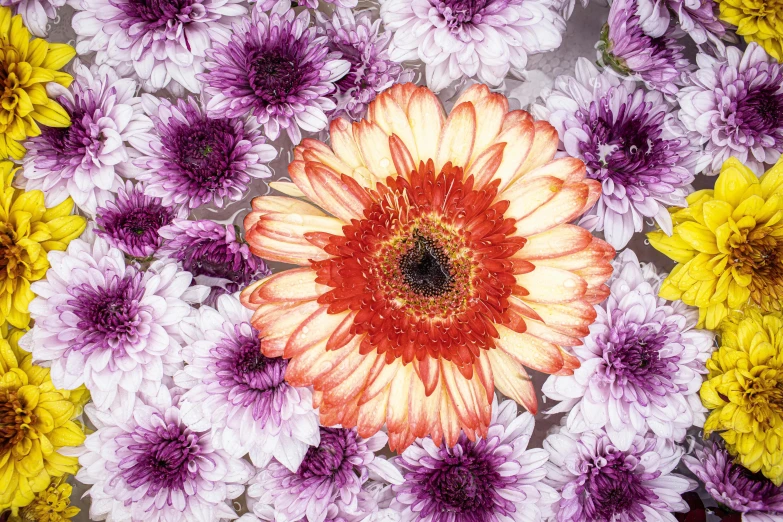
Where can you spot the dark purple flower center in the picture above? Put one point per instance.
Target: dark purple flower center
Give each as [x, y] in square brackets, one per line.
[133, 221]
[459, 12]
[217, 258]
[463, 483]
[157, 13]
[204, 152]
[755, 487]
[280, 68]
[108, 315]
[253, 379]
[331, 458]
[611, 488]
[161, 458]
[82, 136]
[761, 112]
[627, 147]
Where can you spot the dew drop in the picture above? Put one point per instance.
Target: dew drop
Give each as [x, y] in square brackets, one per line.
[384, 162]
[569, 283]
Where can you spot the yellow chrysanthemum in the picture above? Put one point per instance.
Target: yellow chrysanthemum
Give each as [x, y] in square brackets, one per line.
[744, 390]
[728, 244]
[26, 66]
[28, 230]
[36, 420]
[759, 21]
[50, 505]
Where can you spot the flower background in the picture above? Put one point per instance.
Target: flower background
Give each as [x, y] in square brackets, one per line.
[583, 30]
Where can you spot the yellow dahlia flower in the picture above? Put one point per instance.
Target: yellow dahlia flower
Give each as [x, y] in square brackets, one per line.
[35, 421]
[437, 261]
[759, 21]
[50, 505]
[728, 244]
[28, 230]
[26, 66]
[744, 390]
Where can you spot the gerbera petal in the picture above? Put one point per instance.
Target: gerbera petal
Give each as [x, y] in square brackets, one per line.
[457, 136]
[426, 119]
[292, 285]
[512, 380]
[390, 117]
[557, 242]
[564, 207]
[530, 351]
[374, 146]
[342, 197]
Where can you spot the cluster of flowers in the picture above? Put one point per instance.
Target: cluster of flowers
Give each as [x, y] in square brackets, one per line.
[439, 256]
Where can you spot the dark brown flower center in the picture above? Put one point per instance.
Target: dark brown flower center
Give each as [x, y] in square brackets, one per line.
[760, 255]
[14, 420]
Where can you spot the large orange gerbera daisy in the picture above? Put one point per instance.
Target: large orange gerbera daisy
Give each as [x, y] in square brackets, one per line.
[439, 264]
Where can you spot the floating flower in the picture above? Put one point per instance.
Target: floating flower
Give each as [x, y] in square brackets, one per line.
[27, 68]
[53, 504]
[371, 70]
[492, 479]
[86, 160]
[132, 221]
[214, 254]
[759, 21]
[601, 483]
[733, 486]
[727, 245]
[276, 69]
[630, 141]
[466, 38]
[35, 14]
[735, 104]
[164, 41]
[36, 422]
[698, 18]
[626, 48]
[240, 395]
[448, 237]
[153, 467]
[640, 365]
[743, 390]
[331, 473]
[194, 160]
[108, 325]
[30, 231]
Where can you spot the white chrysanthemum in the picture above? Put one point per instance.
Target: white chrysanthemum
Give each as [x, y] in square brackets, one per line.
[240, 395]
[108, 325]
[467, 38]
[641, 363]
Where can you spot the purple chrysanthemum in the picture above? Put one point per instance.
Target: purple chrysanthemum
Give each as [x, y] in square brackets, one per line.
[269, 5]
[630, 142]
[131, 222]
[493, 479]
[466, 38]
[735, 104]
[194, 160]
[600, 483]
[752, 494]
[698, 18]
[153, 467]
[107, 325]
[372, 71]
[331, 473]
[277, 69]
[625, 47]
[36, 14]
[640, 365]
[213, 254]
[87, 159]
[162, 41]
[232, 389]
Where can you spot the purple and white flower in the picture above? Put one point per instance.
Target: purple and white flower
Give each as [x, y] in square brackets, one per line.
[36, 14]
[213, 254]
[630, 141]
[153, 467]
[131, 222]
[193, 160]
[698, 18]
[735, 105]
[240, 395]
[630, 51]
[357, 38]
[640, 364]
[163, 43]
[109, 326]
[276, 68]
[493, 479]
[471, 38]
[86, 160]
[730, 484]
[599, 482]
[270, 5]
[332, 473]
